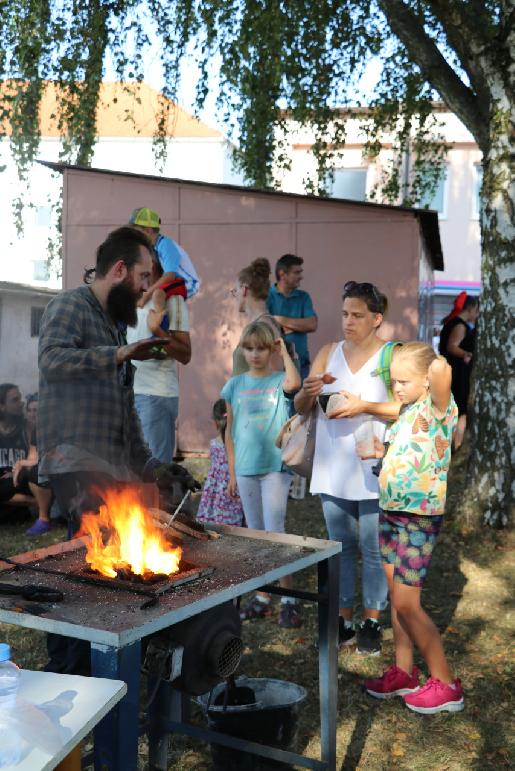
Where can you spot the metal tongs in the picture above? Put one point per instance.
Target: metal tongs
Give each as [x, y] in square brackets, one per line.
[33, 592]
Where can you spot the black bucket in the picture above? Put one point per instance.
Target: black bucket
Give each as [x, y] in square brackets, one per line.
[271, 719]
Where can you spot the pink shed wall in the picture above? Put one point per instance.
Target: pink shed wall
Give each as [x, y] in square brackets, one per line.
[223, 229]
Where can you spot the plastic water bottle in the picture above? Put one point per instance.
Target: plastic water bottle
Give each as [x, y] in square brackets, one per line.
[10, 742]
[9, 679]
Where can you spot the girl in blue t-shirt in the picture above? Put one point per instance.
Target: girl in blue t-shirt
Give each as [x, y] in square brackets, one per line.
[257, 406]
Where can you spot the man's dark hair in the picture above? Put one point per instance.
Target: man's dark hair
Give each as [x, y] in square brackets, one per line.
[4, 390]
[286, 262]
[121, 244]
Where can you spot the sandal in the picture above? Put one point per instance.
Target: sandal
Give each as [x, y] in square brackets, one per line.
[255, 608]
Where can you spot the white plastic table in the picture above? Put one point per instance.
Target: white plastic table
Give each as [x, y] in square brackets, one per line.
[54, 713]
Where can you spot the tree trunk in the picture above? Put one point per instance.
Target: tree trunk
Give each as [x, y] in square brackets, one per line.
[490, 480]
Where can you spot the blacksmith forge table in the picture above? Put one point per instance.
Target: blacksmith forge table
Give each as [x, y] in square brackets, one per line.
[114, 623]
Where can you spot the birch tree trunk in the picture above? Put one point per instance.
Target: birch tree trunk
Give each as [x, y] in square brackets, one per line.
[490, 474]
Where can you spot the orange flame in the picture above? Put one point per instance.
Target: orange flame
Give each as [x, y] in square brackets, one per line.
[133, 541]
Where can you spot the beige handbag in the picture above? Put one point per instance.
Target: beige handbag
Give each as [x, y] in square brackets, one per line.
[297, 439]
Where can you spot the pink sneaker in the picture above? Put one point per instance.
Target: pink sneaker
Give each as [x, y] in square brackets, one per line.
[394, 682]
[435, 696]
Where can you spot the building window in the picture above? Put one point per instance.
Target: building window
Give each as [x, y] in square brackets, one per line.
[36, 314]
[349, 183]
[478, 182]
[438, 200]
[43, 216]
[40, 270]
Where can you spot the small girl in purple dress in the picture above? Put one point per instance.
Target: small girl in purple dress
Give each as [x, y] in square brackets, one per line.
[215, 504]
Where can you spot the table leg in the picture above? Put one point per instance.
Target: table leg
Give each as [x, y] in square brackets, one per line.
[116, 736]
[328, 575]
[168, 705]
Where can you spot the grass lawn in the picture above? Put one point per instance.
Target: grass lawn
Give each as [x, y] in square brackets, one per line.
[469, 596]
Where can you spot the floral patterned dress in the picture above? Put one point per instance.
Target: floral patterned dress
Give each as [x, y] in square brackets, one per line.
[215, 505]
[413, 477]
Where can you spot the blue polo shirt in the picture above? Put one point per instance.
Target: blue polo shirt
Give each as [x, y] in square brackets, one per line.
[297, 305]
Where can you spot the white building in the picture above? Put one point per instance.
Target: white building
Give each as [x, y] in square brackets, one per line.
[21, 309]
[126, 125]
[456, 198]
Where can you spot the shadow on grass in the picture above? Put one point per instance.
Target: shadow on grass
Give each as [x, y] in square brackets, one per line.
[360, 733]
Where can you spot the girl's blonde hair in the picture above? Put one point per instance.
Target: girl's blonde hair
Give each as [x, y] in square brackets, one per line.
[259, 332]
[418, 356]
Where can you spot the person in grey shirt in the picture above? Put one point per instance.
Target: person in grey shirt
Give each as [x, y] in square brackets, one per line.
[89, 435]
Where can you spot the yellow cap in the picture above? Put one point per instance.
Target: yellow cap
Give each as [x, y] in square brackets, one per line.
[146, 218]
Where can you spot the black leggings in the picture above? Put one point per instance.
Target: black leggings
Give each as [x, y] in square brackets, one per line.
[8, 489]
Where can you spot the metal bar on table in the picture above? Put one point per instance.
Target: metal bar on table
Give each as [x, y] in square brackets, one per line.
[253, 748]
[299, 594]
[116, 736]
[328, 575]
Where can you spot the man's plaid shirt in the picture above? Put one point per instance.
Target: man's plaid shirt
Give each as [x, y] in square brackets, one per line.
[86, 399]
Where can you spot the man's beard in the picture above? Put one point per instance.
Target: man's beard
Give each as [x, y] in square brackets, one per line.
[121, 303]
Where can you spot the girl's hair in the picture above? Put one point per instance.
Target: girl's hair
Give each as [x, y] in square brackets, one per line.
[256, 277]
[461, 303]
[220, 416]
[259, 332]
[376, 301]
[418, 356]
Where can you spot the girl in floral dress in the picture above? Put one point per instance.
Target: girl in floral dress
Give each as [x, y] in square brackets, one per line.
[413, 486]
[215, 504]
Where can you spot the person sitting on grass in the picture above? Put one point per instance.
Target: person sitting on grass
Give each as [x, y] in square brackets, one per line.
[18, 454]
[413, 486]
[25, 472]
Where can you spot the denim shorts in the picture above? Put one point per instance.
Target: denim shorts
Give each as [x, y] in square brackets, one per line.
[407, 542]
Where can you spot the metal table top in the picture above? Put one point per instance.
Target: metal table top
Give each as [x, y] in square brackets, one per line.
[243, 559]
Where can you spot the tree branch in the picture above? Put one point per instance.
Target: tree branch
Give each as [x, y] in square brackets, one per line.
[465, 26]
[424, 52]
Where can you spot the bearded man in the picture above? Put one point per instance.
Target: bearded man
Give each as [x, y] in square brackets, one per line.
[89, 435]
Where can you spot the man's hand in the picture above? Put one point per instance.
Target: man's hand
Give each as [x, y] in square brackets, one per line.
[168, 474]
[142, 350]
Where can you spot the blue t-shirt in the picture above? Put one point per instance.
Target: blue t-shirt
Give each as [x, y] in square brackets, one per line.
[168, 254]
[259, 408]
[296, 305]
[174, 259]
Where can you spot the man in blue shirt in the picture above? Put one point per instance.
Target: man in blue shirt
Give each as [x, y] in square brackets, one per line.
[292, 307]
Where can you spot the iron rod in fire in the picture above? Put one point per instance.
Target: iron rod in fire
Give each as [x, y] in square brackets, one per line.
[179, 507]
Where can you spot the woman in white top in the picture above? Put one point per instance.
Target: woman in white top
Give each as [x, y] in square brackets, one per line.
[347, 486]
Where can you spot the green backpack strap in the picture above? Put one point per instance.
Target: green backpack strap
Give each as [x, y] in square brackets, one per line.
[383, 368]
